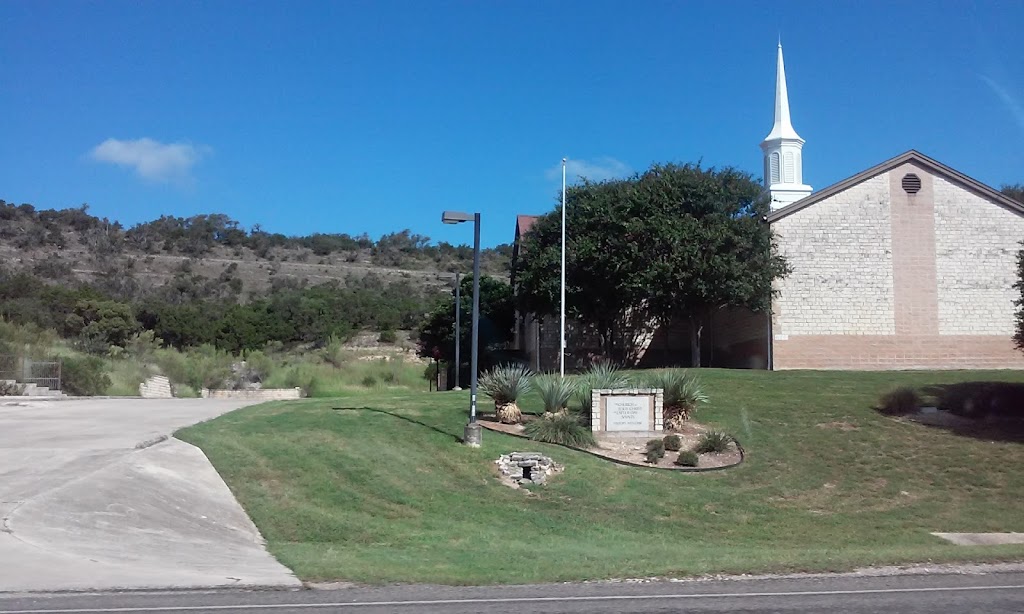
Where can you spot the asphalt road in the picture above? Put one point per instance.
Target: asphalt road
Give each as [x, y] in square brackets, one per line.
[931, 594]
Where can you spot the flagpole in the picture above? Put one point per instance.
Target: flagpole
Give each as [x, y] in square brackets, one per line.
[561, 354]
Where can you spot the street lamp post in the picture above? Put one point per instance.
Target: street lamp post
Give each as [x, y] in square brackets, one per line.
[458, 333]
[472, 433]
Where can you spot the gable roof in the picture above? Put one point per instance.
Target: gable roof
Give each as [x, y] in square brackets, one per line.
[524, 223]
[917, 157]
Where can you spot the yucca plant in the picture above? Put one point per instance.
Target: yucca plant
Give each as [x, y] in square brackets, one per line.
[713, 441]
[563, 428]
[682, 396]
[555, 392]
[600, 375]
[504, 385]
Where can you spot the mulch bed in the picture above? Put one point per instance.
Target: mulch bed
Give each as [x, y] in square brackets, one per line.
[630, 450]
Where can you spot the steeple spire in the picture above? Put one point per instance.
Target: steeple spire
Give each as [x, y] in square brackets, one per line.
[783, 128]
[783, 149]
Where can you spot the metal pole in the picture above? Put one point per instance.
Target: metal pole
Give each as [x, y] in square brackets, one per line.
[458, 333]
[474, 355]
[472, 436]
[561, 352]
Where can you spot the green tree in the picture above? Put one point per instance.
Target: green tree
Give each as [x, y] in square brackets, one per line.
[103, 323]
[436, 333]
[676, 242]
[1015, 191]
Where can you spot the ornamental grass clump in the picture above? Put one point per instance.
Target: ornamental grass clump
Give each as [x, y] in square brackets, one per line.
[555, 392]
[713, 441]
[683, 395]
[899, 402]
[504, 385]
[563, 428]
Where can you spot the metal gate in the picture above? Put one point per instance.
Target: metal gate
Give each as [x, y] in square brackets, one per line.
[42, 373]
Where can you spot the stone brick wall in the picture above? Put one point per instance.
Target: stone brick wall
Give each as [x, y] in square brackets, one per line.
[266, 394]
[976, 262]
[885, 279]
[840, 250]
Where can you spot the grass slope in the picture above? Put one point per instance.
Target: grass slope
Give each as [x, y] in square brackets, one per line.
[828, 484]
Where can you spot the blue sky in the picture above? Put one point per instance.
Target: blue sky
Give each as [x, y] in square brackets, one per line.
[374, 116]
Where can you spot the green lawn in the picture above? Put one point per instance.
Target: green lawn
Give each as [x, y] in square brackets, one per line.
[828, 484]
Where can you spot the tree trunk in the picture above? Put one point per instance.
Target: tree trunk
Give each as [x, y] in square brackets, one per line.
[696, 328]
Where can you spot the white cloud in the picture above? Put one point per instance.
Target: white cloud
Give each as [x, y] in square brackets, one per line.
[597, 169]
[152, 160]
[1012, 103]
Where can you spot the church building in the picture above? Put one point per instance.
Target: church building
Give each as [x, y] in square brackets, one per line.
[909, 264]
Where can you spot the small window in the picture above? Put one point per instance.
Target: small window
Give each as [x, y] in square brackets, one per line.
[789, 168]
[775, 168]
[911, 183]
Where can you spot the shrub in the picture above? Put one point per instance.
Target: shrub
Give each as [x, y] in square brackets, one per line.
[504, 385]
[555, 392]
[713, 441]
[369, 381]
[389, 377]
[655, 450]
[387, 336]
[688, 458]
[682, 395]
[899, 402]
[673, 442]
[562, 428]
[83, 376]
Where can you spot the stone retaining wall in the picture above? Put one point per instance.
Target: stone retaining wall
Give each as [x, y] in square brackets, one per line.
[266, 394]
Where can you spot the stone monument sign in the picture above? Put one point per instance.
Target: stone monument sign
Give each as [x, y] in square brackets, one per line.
[627, 409]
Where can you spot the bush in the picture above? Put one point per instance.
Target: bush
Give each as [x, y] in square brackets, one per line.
[83, 376]
[713, 441]
[387, 336]
[688, 458]
[655, 450]
[899, 402]
[563, 428]
[555, 392]
[369, 381]
[673, 443]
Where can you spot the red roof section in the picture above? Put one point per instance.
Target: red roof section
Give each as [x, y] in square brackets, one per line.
[524, 223]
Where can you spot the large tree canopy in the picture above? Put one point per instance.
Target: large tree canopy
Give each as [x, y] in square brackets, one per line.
[678, 241]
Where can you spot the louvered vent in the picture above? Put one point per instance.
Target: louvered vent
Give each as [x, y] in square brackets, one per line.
[911, 183]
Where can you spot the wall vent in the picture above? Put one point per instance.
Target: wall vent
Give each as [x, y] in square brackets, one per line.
[911, 183]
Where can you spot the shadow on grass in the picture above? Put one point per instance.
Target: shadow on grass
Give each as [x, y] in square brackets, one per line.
[400, 417]
[993, 411]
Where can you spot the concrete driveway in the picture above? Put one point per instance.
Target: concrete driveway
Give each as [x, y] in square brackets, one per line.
[89, 501]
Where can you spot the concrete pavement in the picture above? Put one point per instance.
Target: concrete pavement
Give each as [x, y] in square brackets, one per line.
[92, 496]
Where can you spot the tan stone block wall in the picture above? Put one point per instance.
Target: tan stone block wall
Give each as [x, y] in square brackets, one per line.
[885, 352]
[949, 274]
[840, 250]
[976, 262]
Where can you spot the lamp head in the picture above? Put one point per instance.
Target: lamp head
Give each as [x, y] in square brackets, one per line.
[456, 217]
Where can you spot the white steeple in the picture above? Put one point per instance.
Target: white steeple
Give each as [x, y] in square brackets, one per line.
[783, 147]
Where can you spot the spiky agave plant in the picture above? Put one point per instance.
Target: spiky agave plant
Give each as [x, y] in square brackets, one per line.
[600, 375]
[682, 396]
[555, 392]
[504, 385]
